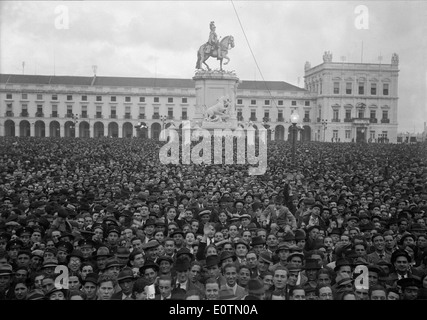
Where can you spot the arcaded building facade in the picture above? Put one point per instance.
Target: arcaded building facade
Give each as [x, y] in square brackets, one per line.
[71, 106]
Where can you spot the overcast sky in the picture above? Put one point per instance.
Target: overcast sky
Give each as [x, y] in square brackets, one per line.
[161, 38]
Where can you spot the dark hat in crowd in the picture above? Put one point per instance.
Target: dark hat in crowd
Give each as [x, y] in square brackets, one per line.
[282, 246]
[360, 261]
[400, 253]
[164, 258]
[114, 229]
[375, 268]
[289, 236]
[123, 252]
[313, 227]
[5, 236]
[184, 251]
[295, 254]
[113, 262]
[212, 260]
[266, 257]
[86, 243]
[64, 246]
[90, 277]
[147, 265]
[407, 235]
[177, 231]
[293, 267]
[182, 265]
[343, 279]
[336, 231]
[257, 241]
[255, 286]
[312, 264]
[152, 244]
[56, 289]
[409, 282]
[75, 253]
[340, 263]
[300, 235]
[102, 252]
[227, 254]
[124, 274]
[24, 230]
[35, 296]
[50, 263]
[16, 243]
[240, 241]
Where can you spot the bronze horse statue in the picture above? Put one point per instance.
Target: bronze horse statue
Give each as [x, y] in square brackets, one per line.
[224, 45]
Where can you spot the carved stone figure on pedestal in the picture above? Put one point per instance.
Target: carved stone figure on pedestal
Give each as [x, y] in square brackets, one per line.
[219, 111]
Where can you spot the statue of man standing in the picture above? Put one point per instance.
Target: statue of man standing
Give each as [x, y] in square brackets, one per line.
[213, 39]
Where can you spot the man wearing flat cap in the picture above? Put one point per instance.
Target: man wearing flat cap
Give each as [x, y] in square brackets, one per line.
[410, 288]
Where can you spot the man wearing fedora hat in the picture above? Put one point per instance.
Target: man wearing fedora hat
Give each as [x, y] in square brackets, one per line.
[400, 259]
[255, 290]
[89, 286]
[182, 267]
[125, 280]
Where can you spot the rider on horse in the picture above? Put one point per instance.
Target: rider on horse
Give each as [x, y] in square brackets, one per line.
[213, 42]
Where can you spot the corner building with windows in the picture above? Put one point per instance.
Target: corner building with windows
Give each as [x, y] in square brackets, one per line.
[345, 101]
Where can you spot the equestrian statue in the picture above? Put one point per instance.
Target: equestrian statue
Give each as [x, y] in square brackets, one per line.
[214, 48]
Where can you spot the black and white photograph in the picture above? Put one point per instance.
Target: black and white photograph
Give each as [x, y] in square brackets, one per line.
[229, 152]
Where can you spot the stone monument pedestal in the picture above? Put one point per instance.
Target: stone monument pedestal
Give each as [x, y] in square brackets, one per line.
[211, 86]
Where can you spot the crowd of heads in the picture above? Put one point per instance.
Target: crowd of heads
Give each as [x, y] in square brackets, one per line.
[104, 219]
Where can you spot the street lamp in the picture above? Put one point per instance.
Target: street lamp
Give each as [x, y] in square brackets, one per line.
[294, 121]
[163, 119]
[325, 125]
[75, 121]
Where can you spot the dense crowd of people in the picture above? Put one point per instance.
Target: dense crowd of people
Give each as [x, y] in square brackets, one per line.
[104, 219]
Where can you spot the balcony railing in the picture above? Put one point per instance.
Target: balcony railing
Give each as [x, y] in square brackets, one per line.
[40, 114]
[127, 116]
[171, 117]
[280, 119]
[240, 118]
[24, 114]
[373, 120]
[9, 114]
[319, 120]
[141, 116]
[306, 120]
[335, 120]
[68, 115]
[156, 116]
[113, 116]
[184, 117]
[54, 115]
[385, 120]
[348, 120]
[253, 119]
[99, 116]
[83, 115]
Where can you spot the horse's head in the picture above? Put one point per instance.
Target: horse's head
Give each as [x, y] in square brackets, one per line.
[226, 41]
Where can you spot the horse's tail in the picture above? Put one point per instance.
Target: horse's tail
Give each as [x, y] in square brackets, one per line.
[198, 60]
